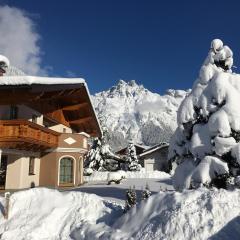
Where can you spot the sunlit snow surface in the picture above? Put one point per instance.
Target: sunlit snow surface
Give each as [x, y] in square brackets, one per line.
[40, 213]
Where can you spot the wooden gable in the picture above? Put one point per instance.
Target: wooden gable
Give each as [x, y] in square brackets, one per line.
[68, 104]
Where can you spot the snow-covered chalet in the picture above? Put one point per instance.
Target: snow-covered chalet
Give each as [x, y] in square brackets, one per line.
[44, 127]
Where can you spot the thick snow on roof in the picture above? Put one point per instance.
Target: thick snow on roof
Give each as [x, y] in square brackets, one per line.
[30, 80]
[13, 71]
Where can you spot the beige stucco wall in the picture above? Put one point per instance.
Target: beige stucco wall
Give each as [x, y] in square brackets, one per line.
[49, 170]
[17, 172]
[60, 127]
[50, 162]
[26, 180]
[13, 172]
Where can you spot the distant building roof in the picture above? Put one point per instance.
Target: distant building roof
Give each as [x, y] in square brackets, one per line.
[154, 148]
[139, 148]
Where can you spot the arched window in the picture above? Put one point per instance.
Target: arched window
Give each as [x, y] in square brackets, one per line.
[66, 170]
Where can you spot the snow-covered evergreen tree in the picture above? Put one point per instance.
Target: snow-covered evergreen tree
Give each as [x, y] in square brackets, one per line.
[94, 159]
[206, 144]
[131, 199]
[132, 159]
[146, 193]
[100, 157]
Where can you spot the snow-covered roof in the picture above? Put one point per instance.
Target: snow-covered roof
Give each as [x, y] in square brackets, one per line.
[24, 80]
[30, 80]
[84, 134]
[140, 146]
[153, 149]
[136, 145]
[14, 71]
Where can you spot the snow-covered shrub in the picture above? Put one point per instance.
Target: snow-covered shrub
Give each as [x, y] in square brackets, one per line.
[146, 193]
[131, 199]
[206, 144]
[132, 159]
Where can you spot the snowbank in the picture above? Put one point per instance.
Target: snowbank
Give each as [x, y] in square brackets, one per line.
[193, 214]
[49, 214]
[103, 176]
[41, 213]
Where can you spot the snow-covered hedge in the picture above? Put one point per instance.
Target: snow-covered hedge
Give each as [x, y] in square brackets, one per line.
[206, 142]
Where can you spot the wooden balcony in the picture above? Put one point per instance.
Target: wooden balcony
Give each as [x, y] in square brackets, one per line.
[25, 135]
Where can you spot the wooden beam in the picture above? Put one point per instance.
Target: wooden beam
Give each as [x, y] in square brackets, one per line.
[81, 120]
[58, 116]
[75, 106]
[61, 93]
[39, 96]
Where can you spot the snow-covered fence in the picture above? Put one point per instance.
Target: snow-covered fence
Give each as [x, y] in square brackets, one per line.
[6, 208]
[103, 176]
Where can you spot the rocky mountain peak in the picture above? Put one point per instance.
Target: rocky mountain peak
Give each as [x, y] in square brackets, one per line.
[133, 112]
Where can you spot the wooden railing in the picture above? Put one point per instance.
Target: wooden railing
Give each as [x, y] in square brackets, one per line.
[23, 131]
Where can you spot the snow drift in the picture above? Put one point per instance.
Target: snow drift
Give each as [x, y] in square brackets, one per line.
[205, 144]
[193, 214]
[49, 214]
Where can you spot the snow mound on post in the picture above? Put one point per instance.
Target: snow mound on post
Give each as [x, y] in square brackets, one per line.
[209, 123]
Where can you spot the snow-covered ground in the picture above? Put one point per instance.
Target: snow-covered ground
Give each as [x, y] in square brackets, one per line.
[117, 192]
[42, 213]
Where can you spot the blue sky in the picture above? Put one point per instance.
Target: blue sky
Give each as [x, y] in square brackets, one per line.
[160, 44]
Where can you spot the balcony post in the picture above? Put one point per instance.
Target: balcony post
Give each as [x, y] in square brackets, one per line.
[0, 156]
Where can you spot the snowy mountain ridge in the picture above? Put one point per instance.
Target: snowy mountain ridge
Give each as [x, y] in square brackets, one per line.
[131, 111]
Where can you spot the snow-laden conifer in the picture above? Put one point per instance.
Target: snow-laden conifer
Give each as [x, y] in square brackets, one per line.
[146, 193]
[132, 159]
[131, 199]
[206, 145]
[100, 156]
